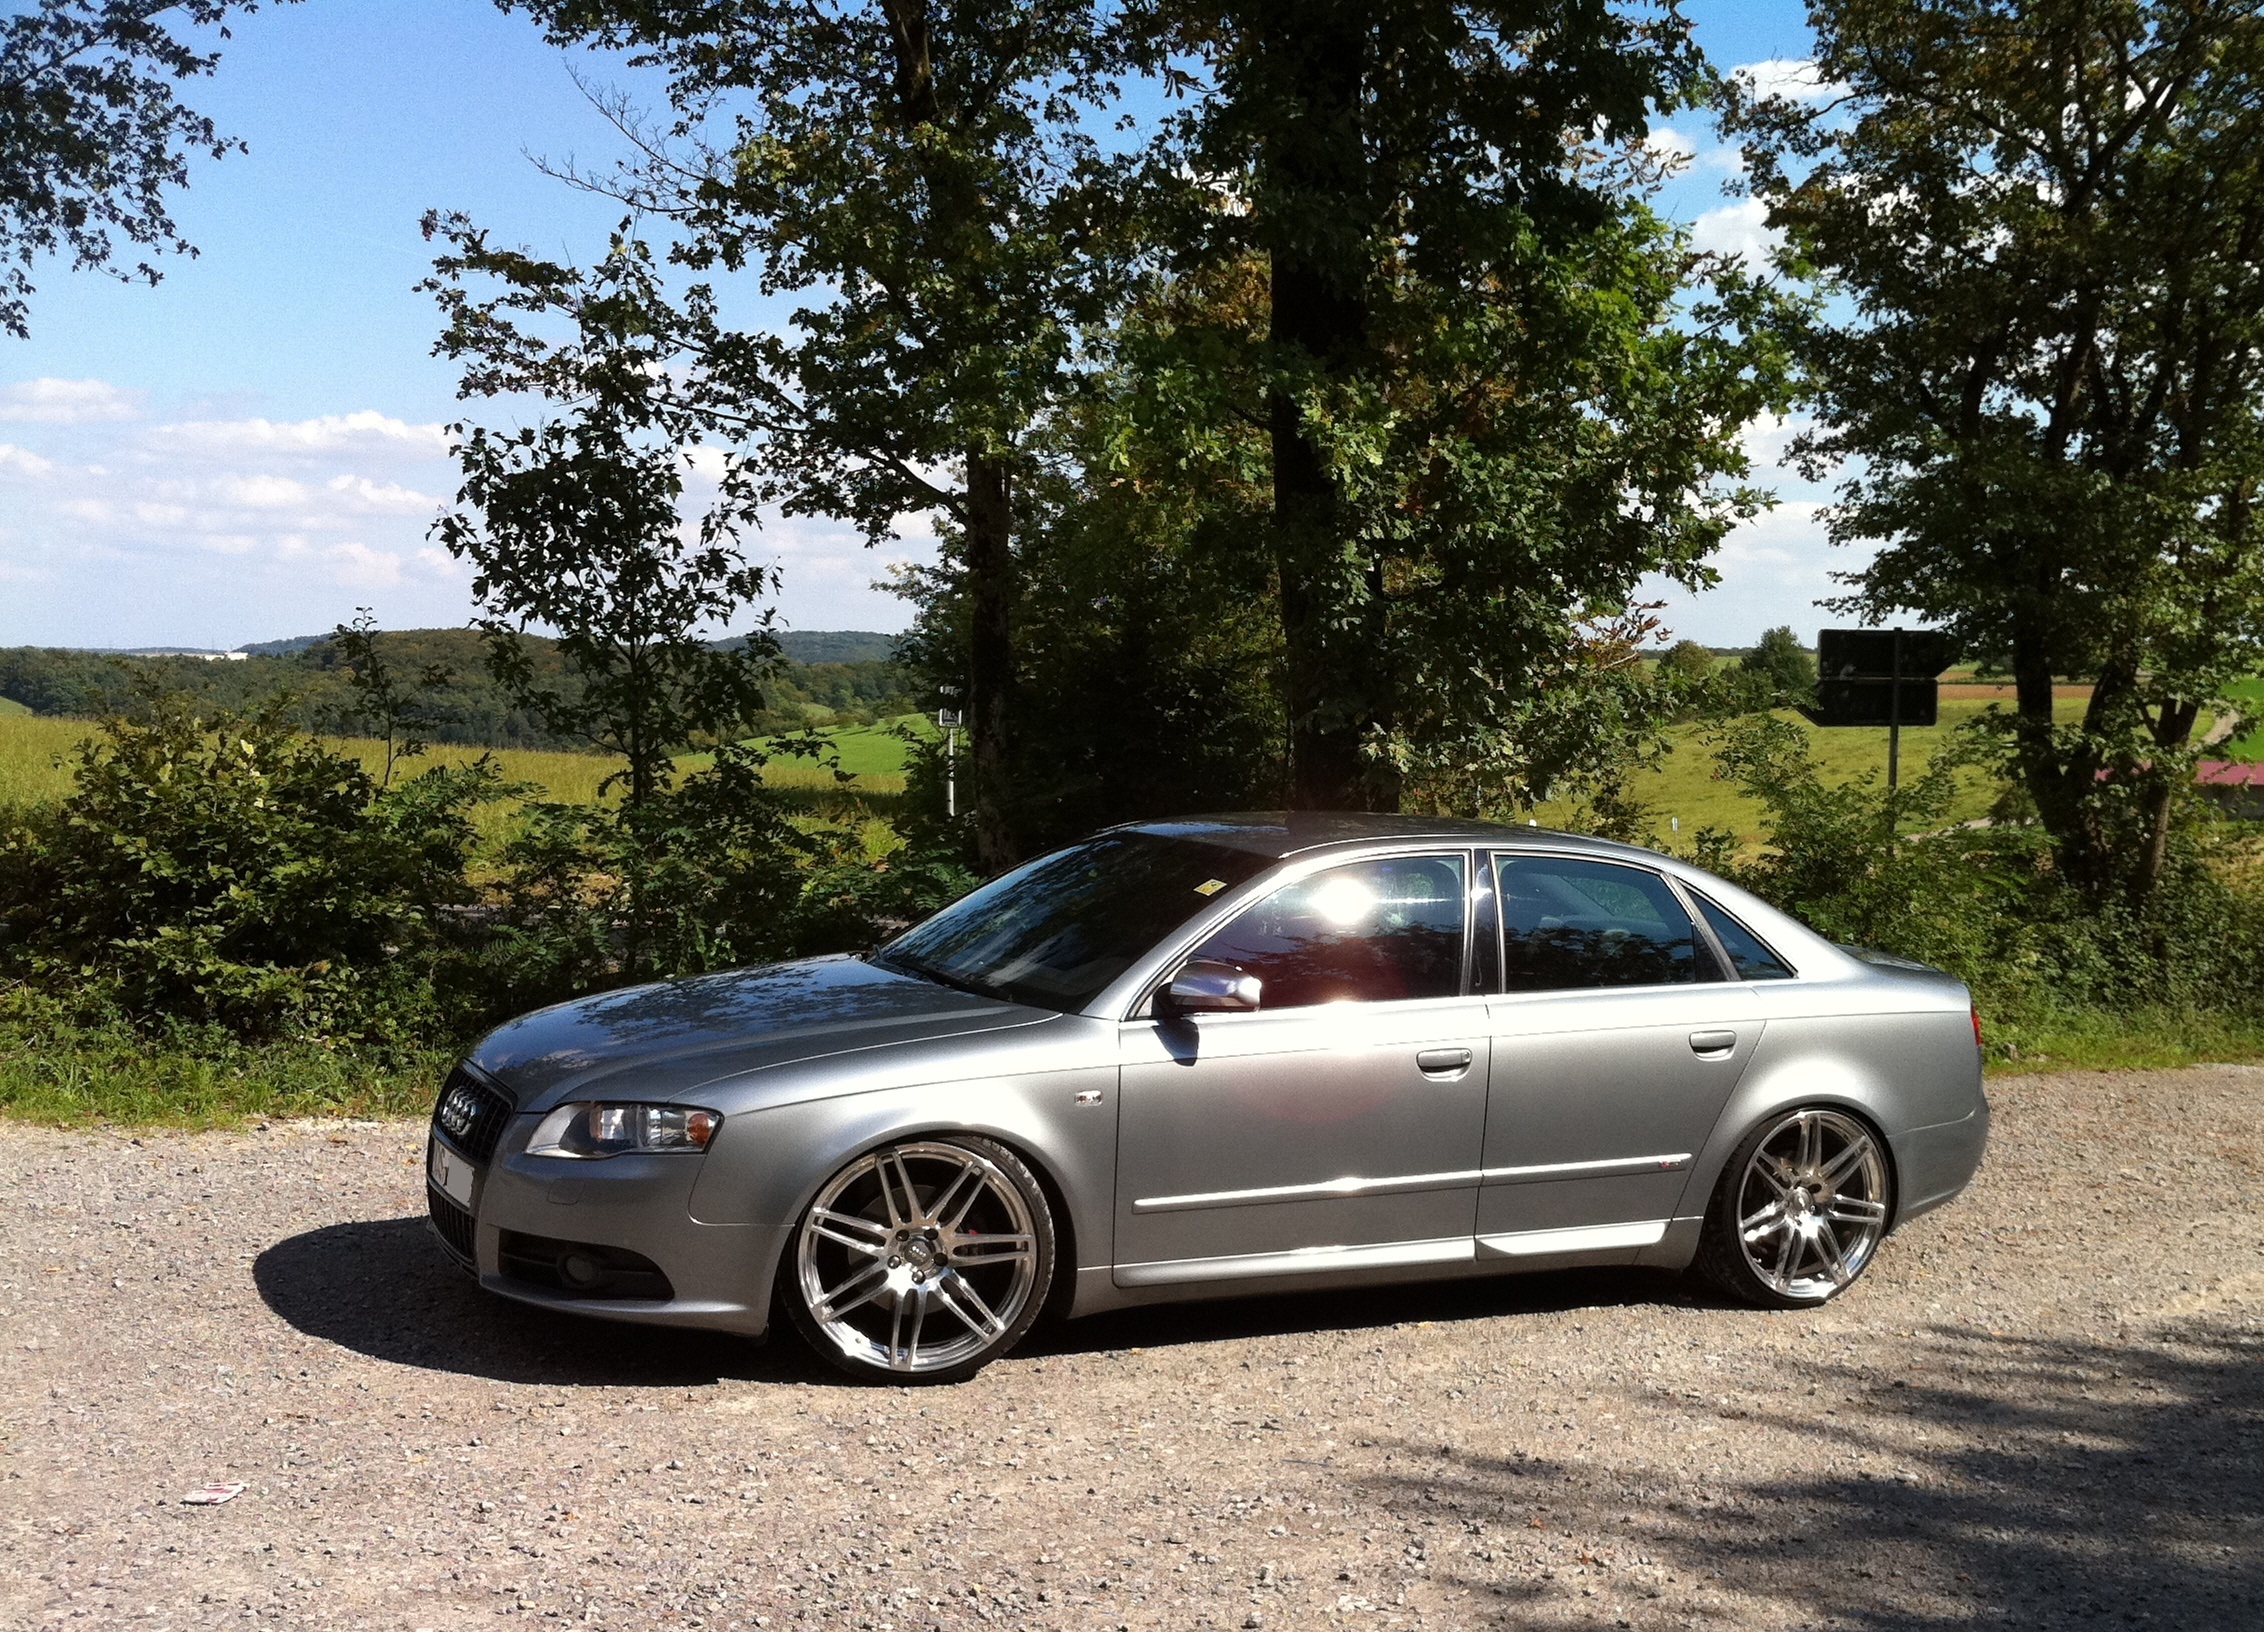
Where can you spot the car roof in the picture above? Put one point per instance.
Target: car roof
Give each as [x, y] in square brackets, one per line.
[1284, 833]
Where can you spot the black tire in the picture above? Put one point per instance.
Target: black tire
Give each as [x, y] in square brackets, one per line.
[1799, 1211]
[949, 1227]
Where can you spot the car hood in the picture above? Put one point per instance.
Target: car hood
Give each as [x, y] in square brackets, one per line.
[670, 1038]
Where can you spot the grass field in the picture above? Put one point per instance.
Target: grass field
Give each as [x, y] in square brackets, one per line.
[36, 755]
[2250, 694]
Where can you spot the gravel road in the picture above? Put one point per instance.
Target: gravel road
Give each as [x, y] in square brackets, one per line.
[2041, 1408]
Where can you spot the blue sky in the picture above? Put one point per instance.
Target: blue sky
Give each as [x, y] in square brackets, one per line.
[254, 448]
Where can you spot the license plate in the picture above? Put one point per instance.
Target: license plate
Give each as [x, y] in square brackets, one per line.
[451, 1174]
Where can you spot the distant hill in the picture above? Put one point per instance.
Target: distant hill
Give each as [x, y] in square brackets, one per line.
[282, 648]
[829, 678]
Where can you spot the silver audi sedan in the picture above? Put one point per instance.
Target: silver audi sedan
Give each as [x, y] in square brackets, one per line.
[1211, 1057]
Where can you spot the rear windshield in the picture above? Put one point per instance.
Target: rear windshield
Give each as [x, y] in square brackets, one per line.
[1055, 931]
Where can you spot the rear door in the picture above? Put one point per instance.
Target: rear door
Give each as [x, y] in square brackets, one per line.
[1617, 1038]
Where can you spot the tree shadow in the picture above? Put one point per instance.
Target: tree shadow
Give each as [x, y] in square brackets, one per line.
[384, 1288]
[2058, 1481]
[1290, 1314]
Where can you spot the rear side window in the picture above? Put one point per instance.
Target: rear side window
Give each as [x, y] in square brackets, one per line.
[1747, 955]
[1571, 924]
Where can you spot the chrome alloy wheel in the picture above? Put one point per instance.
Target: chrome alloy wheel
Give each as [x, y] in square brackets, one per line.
[918, 1258]
[1812, 1205]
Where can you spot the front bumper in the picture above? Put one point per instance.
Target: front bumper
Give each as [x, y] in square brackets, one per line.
[716, 1276]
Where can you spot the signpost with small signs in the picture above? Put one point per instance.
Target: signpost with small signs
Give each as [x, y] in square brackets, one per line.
[1880, 677]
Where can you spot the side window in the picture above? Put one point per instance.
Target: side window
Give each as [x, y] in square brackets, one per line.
[1367, 933]
[1747, 955]
[1572, 924]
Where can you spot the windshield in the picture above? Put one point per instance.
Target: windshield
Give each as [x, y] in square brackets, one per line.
[1055, 931]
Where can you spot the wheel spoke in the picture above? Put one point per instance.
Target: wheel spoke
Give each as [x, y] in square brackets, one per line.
[834, 1308]
[1766, 1222]
[1855, 1210]
[1788, 1258]
[903, 1346]
[985, 1250]
[1811, 1142]
[843, 1228]
[1774, 1180]
[1827, 1243]
[898, 1216]
[967, 1304]
[940, 1208]
[1847, 1161]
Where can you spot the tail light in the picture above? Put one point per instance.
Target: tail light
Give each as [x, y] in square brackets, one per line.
[1977, 1041]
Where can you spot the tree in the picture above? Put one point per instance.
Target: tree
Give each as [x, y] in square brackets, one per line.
[394, 708]
[2045, 218]
[1688, 660]
[93, 134]
[919, 175]
[1779, 668]
[1492, 390]
[573, 525]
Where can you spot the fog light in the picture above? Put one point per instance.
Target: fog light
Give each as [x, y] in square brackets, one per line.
[580, 1270]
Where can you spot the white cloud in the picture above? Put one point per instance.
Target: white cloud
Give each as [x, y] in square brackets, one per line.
[1740, 228]
[363, 433]
[206, 532]
[67, 402]
[1793, 77]
[1670, 147]
[24, 461]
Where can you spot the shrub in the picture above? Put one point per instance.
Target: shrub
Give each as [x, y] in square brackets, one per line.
[1985, 901]
[220, 868]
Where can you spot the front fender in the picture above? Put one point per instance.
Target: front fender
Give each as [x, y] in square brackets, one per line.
[767, 1165]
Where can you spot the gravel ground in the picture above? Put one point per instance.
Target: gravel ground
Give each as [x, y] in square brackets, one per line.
[2041, 1408]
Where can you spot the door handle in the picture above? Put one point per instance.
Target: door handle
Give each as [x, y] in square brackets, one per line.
[1439, 1062]
[1712, 1045]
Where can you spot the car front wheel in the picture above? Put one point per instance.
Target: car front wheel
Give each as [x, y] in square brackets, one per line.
[923, 1261]
[1799, 1212]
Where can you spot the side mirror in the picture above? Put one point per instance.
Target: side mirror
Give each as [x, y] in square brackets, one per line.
[1205, 987]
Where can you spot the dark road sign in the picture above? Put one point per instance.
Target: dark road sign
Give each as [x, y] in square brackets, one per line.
[1870, 654]
[1880, 677]
[1869, 701]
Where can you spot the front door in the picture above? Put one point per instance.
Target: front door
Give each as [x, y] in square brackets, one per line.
[1339, 1125]
[1617, 1041]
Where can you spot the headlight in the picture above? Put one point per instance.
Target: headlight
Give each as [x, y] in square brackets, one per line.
[586, 1132]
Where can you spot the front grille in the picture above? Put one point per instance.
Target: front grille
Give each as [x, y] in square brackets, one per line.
[581, 1269]
[453, 1224]
[471, 1114]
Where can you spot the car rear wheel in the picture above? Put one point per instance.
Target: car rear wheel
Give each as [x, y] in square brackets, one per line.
[1799, 1212]
[923, 1261]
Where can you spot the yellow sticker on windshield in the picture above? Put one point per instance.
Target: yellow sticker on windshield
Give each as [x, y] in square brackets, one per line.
[1210, 886]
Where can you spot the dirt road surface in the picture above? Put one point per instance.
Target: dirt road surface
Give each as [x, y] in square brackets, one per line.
[2040, 1409]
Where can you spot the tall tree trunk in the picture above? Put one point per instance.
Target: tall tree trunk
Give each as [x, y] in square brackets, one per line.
[1337, 673]
[990, 667]
[989, 519]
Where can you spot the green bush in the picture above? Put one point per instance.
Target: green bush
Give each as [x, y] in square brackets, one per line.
[708, 874]
[1984, 901]
[222, 869]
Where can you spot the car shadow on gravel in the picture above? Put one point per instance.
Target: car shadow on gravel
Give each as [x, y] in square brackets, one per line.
[1962, 1476]
[1289, 1314]
[384, 1288]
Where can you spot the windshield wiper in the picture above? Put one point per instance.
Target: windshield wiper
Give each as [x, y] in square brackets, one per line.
[921, 971]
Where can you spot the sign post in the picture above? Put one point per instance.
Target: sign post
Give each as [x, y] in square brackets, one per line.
[948, 720]
[1880, 677]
